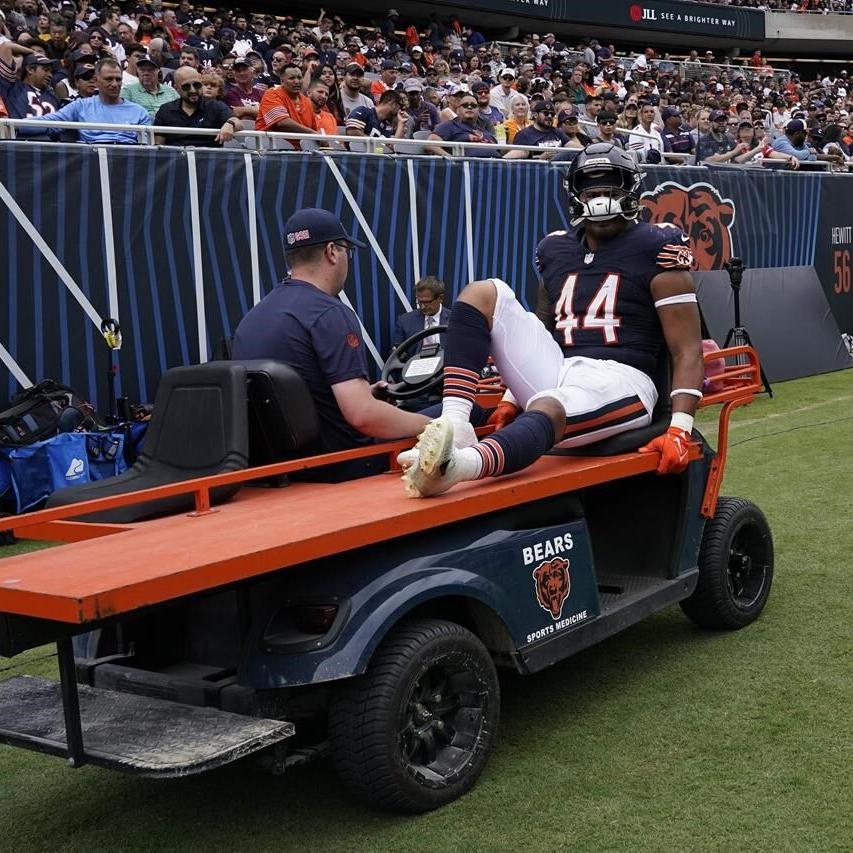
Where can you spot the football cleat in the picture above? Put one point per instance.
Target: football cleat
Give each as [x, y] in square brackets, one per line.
[435, 469]
[463, 436]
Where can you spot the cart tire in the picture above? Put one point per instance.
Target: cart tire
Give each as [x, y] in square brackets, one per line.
[735, 568]
[416, 730]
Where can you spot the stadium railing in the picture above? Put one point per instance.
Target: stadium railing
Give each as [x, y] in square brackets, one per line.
[264, 140]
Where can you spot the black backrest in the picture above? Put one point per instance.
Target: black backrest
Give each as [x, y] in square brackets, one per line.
[283, 422]
[633, 439]
[199, 419]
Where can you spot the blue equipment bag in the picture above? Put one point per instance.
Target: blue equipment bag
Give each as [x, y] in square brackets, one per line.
[68, 459]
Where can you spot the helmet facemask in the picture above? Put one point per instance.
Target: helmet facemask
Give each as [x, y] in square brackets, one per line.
[601, 193]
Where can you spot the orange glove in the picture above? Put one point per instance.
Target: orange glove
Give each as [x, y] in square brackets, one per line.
[672, 446]
[504, 414]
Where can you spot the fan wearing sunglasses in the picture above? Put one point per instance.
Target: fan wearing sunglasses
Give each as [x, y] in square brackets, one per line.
[192, 110]
[541, 134]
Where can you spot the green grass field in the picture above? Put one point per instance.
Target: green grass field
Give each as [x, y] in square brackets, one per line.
[664, 738]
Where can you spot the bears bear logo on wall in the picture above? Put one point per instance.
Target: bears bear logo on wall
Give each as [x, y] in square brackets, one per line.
[553, 585]
[701, 213]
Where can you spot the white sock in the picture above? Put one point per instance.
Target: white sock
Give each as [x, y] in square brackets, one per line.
[456, 410]
[469, 463]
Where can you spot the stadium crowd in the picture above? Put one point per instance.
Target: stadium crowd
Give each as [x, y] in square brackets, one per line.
[441, 79]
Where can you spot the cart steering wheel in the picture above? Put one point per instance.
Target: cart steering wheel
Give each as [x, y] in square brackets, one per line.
[412, 377]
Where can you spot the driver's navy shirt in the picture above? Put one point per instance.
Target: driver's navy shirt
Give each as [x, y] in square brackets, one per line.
[320, 338]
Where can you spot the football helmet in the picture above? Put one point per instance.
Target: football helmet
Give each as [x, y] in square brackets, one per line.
[602, 182]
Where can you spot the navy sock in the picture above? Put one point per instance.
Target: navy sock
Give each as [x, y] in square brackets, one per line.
[468, 345]
[517, 445]
[469, 338]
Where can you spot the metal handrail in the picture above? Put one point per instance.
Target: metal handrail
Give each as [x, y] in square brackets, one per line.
[372, 142]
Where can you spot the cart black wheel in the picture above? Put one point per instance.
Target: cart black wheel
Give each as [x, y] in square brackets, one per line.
[416, 730]
[735, 567]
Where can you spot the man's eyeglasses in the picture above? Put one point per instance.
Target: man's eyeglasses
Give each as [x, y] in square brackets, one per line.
[469, 105]
[189, 87]
[547, 113]
[422, 302]
[346, 247]
[607, 121]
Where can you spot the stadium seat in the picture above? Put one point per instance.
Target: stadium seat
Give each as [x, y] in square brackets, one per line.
[199, 427]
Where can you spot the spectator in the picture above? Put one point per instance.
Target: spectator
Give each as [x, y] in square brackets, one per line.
[351, 94]
[466, 127]
[703, 126]
[83, 84]
[519, 116]
[574, 86]
[188, 56]
[430, 312]
[212, 86]
[149, 92]
[108, 107]
[541, 134]
[649, 145]
[489, 114]
[32, 96]
[454, 96]
[192, 109]
[676, 137]
[606, 125]
[386, 119]
[717, 146]
[318, 94]
[568, 122]
[133, 52]
[628, 117]
[244, 97]
[422, 114]
[793, 143]
[284, 108]
[387, 79]
[501, 95]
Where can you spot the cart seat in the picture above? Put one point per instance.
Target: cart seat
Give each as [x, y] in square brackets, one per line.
[633, 439]
[283, 421]
[199, 427]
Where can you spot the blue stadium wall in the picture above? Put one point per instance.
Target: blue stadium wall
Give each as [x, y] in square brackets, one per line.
[163, 240]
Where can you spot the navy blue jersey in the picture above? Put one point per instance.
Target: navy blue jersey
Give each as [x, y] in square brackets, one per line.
[23, 100]
[553, 137]
[319, 337]
[602, 300]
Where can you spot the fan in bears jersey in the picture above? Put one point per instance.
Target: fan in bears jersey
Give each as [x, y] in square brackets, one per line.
[31, 95]
[613, 292]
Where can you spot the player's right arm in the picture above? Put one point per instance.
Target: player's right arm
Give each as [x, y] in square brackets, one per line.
[372, 417]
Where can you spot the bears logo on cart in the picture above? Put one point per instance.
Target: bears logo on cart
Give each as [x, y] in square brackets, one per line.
[553, 585]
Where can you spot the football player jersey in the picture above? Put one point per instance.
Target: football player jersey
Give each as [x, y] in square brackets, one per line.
[602, 300]
[23, 100]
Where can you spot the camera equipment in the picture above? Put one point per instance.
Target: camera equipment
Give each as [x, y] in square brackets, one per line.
[737, 335]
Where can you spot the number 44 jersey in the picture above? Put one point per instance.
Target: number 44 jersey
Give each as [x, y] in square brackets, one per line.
[602, 300]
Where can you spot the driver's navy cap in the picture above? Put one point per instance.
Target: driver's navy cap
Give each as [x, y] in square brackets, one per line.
[313, 225]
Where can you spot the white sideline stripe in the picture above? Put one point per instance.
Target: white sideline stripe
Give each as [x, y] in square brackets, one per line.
[413, 219]
[42, 246]
[368, 342]
[371, 238]
[14, 368]
[109, 243]
[753, 421]
[198, 272]
[253, 229]
[469, 222]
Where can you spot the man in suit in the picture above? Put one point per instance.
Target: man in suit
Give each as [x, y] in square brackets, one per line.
[429, 296]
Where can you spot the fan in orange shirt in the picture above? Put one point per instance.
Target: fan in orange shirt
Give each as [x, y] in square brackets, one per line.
[318, 94]
[284, 108]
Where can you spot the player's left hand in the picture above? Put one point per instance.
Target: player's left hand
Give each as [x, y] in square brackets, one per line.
[672, 446]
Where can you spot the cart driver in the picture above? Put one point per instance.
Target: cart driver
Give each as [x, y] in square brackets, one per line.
[303, 322]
